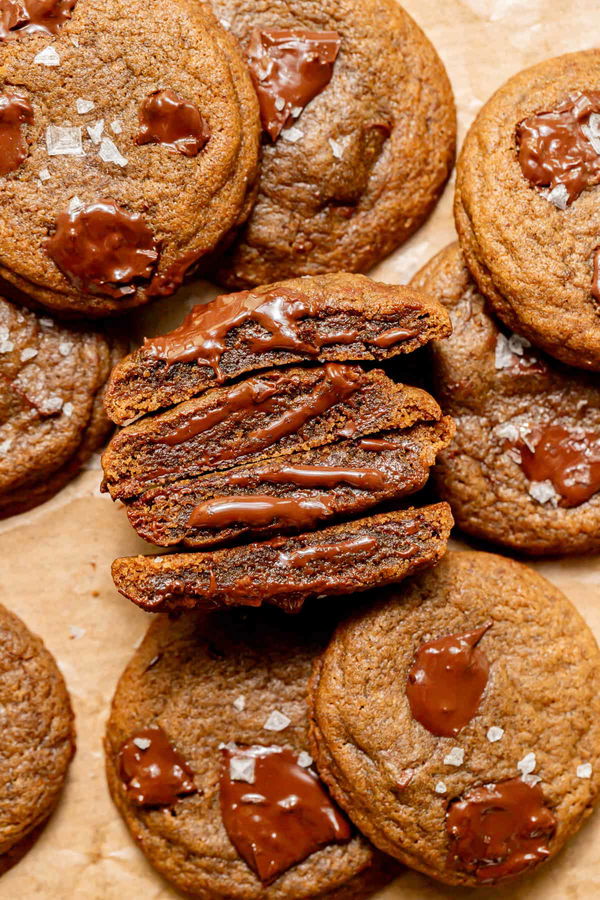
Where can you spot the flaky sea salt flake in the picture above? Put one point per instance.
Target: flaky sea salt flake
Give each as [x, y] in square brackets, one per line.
[142, 743]
[84, 106]
[305, 760]
[504, 357]
[527, 765]
[75, 205]
[6, 346]
[64, 140]
[28, 353]
[543, 492]
[47, 57]
[558, 196]
[116, 126]
[44, 175]
[276, 721]
[239, 704]
[495, 734]
[518, 344]
[95, 131]
[440, 787]
[5, 446]
[242, 768]
[507, 431]
[76, 632]
[68, 410]
[455, 757]
[292, 134]
[48, 323]
[64, 348]
[279, 104]
[531, 780]
[51, 405]
[336, 148]
[584, 770]
[110, 153]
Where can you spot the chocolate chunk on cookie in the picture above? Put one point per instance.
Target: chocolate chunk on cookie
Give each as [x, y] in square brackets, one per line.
[457, 720]
[359, 135]
[290, 493]
[268, 415]
[286, 571]
[523, 469]
[327, 318]
[37, 740]
[207, 762]
[125, 161]
[52, 379]
[526, 198]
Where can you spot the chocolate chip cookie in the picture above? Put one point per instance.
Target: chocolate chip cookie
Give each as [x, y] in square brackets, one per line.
[336, 317]
[457, 720]
[207, 762]
[524, 467]
[526, 205]
[129, 136]
[359, 134]
[52, 379]
[37, 739]
[286, 571]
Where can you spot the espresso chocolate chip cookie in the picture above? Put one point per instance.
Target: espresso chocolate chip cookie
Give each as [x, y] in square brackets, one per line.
[287, 571]
[457, 720]
[526, 205]
[37, 738]
[52, 379]
[524, 467]
[207, 762]
[290, 493]
[359, 135]
[129, 136]
[336, 317]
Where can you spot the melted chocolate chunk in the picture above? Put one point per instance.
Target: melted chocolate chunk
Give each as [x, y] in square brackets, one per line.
[341, 551]
[280, 813]
[168, 119]
[317, 477]
[289, 69]
[559, 147]
[103, 249]
[446, 682]
[152, 770]
[499, 830]
[257, 510]
[15, 112]
[19, 17]
[568, 459]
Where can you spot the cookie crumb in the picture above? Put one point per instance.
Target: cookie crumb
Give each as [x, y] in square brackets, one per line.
[84, 106]
[527, 765]
[64, 140]
[440, 787]
[584, 770]
[276, 721]
[239, 704]
[455, 757]
[495, 734]
[47, 57]
[242, 768]
[110, 153]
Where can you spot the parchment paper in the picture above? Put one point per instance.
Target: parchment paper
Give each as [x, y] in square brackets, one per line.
[54, 561]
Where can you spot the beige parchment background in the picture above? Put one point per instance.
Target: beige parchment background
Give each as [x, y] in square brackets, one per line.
[54, 561]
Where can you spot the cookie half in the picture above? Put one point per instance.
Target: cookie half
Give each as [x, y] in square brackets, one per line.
[243, 816]
[52, 379]
[359, 126]
[329, 318]
[268, 415]
[37, 740]
[523, 469]
[286, 571]
[457, 720]
[135, 158]
[526, 205]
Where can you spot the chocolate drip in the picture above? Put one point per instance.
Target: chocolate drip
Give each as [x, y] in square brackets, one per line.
[377, 445]
[19, 17]
[558, 147]
[339, 551]
[153, 771]
[280, 814]
[15, 112]
[446, 682]
[338, 382]
[168, 119]
[257, 510]
[499, 830]
[289, 69]
[315, 477]
[103, 249]
[570, 459]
